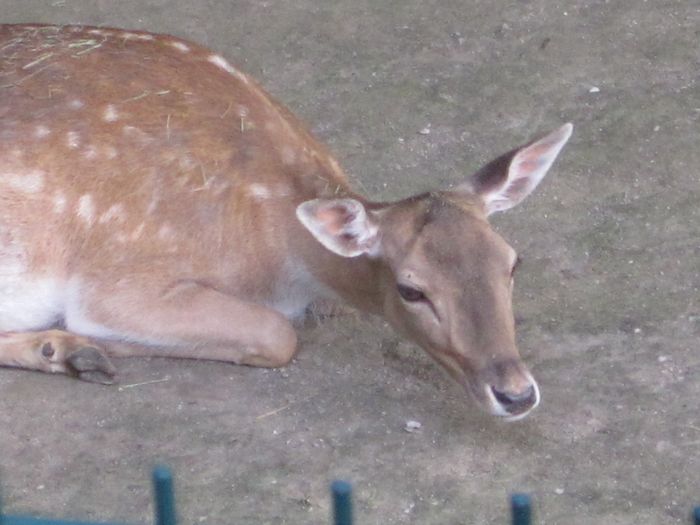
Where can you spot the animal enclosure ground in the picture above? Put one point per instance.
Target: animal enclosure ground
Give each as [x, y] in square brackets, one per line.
[411, 95]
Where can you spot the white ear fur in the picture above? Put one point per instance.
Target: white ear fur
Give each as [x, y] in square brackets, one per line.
[526, 168]
[341, 225]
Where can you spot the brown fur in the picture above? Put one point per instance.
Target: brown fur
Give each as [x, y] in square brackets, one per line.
[153, 186]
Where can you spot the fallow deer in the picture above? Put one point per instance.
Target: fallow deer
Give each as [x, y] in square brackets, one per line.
[155, 201]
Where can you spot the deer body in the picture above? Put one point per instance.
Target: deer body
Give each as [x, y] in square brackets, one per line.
[154, 200]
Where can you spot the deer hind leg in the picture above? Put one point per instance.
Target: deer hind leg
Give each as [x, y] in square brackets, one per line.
[56, 352]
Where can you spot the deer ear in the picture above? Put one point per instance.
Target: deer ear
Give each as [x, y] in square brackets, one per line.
[341, 225]
[507, 180]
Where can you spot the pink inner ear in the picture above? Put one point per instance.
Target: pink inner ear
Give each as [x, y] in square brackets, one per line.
[531, 165]
[517, 187]
[335, 218]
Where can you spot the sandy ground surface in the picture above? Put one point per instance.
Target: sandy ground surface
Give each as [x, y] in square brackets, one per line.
[607, 300]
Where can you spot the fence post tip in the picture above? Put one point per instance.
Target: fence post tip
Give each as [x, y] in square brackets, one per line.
[162, 473]
[341, 488]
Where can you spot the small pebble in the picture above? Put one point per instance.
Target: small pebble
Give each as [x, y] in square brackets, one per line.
[425, 131]
[559, 491]
[594, 89]
[663, 358]
[412, 426]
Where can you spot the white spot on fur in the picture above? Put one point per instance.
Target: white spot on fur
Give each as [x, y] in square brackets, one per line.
[86, 209]
[41, 131]
[166, 233]
[110, 113]
[90, 152]
[114, 213]
[180, 46]
[31, 182]
[73, 139]
[259, 191]
[152, 206]
[99, 32]
[128, 36]
[136, 234]
[76, 104]
[59, 202]
[242, 111]
[222, 63]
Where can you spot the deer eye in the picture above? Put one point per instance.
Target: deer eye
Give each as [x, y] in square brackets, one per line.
[410, 294]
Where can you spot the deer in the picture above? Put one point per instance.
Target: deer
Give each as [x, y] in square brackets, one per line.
[156, 201]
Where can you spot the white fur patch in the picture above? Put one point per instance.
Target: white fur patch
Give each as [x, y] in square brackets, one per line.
[180, 46]
[73, 139]
[31, 182]
[136, 234]
[166, 233]
[86, 209]
[222, 63]
[99, 32]
[41, 131]
[76, 104]
[135, 36]
[27, 302]
[110, 113]
[90, 152]
[259, 191]
[114, 213]
[59, 202]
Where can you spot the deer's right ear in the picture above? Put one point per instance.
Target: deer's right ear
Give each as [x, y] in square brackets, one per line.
[341, 225]
[507, 180]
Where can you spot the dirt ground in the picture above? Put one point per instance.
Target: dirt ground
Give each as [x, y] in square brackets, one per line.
[607, 300]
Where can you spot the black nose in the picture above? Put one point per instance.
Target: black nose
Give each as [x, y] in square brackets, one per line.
[516, 403]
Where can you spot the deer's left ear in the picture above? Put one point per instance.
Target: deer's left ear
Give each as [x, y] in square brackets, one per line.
[507, 180]
[341, 225]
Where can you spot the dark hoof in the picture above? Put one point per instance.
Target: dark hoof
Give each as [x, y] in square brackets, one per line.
[90, 364]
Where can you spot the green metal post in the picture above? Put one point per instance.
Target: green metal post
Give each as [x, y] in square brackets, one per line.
[521, 508]
[164, 497]
[342, 502]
